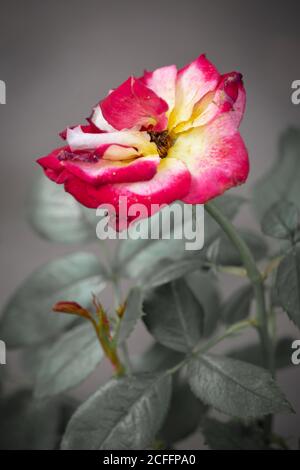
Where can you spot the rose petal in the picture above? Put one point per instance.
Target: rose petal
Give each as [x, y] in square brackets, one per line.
[78, 140]
[98, 119]
[133, 105]
[171, 182]
[89, 128]
[52, 166]
[81, 190]
[229, 96]
[162, 81]
[119, 152]
[192, 83]
[106, 171]
[216, 157]
[238, 108]
[114, 152]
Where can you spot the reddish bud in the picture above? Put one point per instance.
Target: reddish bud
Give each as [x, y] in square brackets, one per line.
[71, 307]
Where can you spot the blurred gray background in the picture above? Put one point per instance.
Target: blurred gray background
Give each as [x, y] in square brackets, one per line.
[59, 57]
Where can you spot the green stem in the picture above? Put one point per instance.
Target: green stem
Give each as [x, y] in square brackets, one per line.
[233, 329]
[123, 347]
[111, 353]
[256, 280]
[203, 348]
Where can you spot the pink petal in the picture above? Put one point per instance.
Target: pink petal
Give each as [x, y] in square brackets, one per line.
[171, 182]
[133, 105]
[238, 108]
[215, 155]
[105, 171]
[52, 166]
[193, 82]
[228, 97]
[82, 192]
[93, 168]
[99, 121]
[88, 128]
[162, 81]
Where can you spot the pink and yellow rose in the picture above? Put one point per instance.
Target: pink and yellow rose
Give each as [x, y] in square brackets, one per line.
[168, 135]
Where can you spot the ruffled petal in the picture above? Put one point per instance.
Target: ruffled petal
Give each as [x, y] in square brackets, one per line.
[98, 120]
[229, 97]
[162, 81]
[79, 140]
[171, 182]
[192, 83]
[133, 105]
[52, 166]
[216, 157]
[238, 108]
[106, 171]
[82, 192]
[92, 167]
[89, 128]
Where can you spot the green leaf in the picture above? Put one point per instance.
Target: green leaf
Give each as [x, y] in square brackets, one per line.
[282, 180]
[224, 253]
[252, 353]
[27, 424]
[234, 387]
[165, 271]
[237, 307]
[185, 413]
[137, 256]
[27, 318]
[288, 285]
[232, 435]
[174, 316]
[132, 314]
[56, 216]
[69, 361]
[156, 358]
[32, 358]
[204, 287]
[123, 414]
[281, 220]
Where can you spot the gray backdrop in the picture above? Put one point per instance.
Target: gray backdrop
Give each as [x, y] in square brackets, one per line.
[59, 57]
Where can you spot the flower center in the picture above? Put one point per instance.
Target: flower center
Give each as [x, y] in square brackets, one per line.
[162, 141]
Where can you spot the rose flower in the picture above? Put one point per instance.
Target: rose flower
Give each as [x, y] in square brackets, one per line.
[168, 135]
